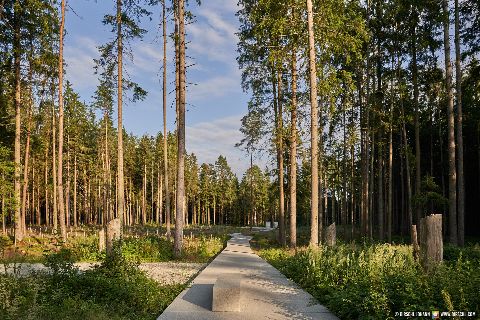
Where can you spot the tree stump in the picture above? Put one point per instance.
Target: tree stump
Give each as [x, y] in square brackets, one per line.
[416, 249]
[101, 239]
[431, 241]
[113, 233]
[331, 235]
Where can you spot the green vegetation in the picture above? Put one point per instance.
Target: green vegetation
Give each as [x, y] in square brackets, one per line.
[140, 245]
[116, 289]
[372, 281]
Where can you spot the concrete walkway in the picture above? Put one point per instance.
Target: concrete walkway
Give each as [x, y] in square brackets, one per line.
[265, 292]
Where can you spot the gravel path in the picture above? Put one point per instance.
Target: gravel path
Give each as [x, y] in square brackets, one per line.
[164, 272]
[172, 272]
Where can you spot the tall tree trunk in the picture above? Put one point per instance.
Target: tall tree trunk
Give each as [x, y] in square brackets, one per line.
[120, 178]
[452, 171]
[159, 196]
[54, 167]
[407, 157]
[25, 172]
[38, 219]
[390, 168]
[61, 199]
[293, 155]
[144, 195]
[19, 234]
[47, 200]
[67, 192]
[313, 129]
[165, 151]
[461, 179]
[152, 198]
[75, 218]
[418, 169]
[381, 213]
[180, 133]
[4, 214]
[280, 160]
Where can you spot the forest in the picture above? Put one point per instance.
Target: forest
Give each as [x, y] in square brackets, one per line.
[396, 134]
[366, 114]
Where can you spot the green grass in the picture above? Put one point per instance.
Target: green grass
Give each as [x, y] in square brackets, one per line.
[116, 289]
[140, 244]
[372, 281]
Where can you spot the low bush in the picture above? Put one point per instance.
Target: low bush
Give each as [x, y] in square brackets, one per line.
[375, 281]
[115, 289]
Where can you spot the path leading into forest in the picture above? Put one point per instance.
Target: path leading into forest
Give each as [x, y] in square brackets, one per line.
[265, 292]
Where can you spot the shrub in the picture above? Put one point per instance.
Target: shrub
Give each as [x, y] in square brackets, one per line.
[115, 289]
[374, 281]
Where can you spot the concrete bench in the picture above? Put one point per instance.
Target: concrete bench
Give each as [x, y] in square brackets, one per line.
[226, 293]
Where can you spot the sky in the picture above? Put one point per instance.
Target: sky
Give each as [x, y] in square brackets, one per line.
[215, 100]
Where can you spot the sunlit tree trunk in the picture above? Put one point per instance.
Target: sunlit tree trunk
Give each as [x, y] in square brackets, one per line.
[54, 168]
[17, 66]
[293, 155]
[25, 172]
[75, 217]
[61, 199]
[180, 134]
[120, 178]
[313, 129]
[281, 215]
[165, 151]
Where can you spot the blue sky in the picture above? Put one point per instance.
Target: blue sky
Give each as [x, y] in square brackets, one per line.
[215, 101]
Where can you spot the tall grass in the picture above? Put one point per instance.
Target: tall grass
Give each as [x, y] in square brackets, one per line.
[374, 281]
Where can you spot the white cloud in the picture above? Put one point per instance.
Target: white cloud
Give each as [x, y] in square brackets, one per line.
[79, 55]
[214, 87]
[210, 139]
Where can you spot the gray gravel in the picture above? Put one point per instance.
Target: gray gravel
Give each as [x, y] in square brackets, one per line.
[164, 272]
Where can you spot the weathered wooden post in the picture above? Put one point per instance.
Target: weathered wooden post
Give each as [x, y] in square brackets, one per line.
[113, 233]
[431, 241]
[331, 235]
[101, 239]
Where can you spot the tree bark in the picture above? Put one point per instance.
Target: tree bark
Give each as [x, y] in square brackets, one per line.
[293, 155]
[25, 172]
[17, 65]
[61, 200]
[431, 241]
[180, 134]
[75, 218]
[54, 167]
[452, 171]
[381, 213]
[281, 216]
[120, 177]
[67, 192]
[165, 151]
[461, 179]
[313, 129]
[418, 169]
[390, 170]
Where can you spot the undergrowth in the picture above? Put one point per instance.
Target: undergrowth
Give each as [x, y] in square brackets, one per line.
[115, 289]
[374, 281]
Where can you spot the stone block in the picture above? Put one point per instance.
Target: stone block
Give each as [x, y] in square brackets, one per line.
[227, 293]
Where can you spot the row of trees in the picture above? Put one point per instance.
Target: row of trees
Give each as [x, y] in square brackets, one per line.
[60, 165]
[355, 91]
